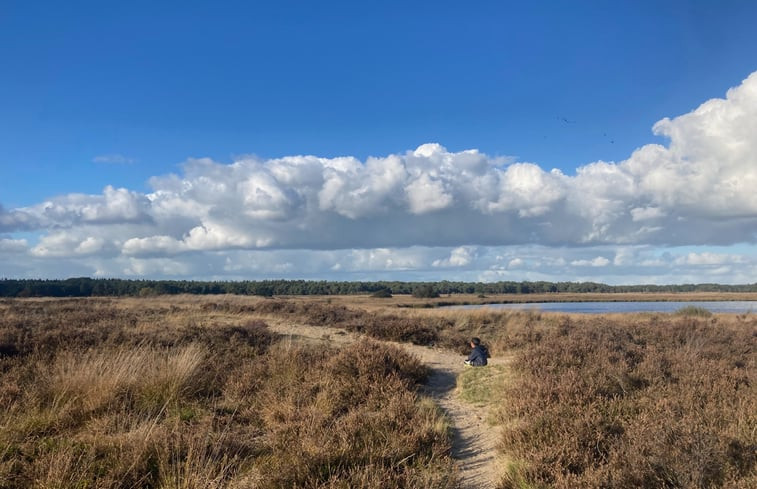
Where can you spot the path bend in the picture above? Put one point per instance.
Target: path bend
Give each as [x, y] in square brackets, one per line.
[474, 442]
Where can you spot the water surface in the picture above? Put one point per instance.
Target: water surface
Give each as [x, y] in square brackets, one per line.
[738, 307]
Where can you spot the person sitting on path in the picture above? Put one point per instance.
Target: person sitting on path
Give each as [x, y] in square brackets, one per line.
[478, 356]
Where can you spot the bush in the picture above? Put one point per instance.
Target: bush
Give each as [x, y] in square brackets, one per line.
[382, 294]
[696, 311]
[425, 292]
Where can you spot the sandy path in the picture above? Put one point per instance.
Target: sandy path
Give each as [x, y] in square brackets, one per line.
[473, 440]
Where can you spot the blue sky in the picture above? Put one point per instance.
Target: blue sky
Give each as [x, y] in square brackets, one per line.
[101, 103]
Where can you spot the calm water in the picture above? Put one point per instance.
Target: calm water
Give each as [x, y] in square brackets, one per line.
[614, 307]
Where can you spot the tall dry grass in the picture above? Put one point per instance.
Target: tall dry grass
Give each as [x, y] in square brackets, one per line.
[112, 394]
[94, 379]
[358, 413]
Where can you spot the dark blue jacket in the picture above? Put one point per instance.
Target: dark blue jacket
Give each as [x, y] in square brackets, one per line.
[478, 356]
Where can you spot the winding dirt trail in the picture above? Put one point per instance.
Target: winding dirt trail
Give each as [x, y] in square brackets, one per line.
[473, 440]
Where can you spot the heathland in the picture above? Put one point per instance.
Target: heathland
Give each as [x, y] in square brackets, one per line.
[187, 391]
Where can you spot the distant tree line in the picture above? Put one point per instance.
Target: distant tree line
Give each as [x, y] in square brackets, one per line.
[86, 287]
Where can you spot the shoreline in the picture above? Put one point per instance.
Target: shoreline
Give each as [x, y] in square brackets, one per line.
[472, 300]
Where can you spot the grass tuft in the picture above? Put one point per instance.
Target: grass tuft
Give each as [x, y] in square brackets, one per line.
[694, 311]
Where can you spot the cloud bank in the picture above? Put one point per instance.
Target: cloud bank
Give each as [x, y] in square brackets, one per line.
[428, 208]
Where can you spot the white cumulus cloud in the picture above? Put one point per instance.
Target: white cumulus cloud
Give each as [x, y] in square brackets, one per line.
[459, 257]
[696, 190]
[599, 261]
[708, 258]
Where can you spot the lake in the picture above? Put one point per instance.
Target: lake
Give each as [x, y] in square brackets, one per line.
[738, 307]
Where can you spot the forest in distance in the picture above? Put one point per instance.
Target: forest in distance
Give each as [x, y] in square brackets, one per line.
[114, 287]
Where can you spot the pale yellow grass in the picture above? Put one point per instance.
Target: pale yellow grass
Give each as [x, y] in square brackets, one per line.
[95, 378]
[192, 462]
[78, 386]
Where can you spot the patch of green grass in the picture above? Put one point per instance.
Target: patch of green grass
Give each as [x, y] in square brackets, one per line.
[515, 477]
[187, 414]
[481, 385]
[697, 311]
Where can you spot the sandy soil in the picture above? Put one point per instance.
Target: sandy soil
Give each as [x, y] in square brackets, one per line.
[473, 440]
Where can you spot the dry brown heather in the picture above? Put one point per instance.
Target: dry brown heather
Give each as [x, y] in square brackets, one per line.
[640, 401]
[167, 393]
[191, 392]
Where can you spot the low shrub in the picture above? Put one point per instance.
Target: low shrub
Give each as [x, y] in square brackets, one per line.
[605, 404]
[425, 292]
[696, 311]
